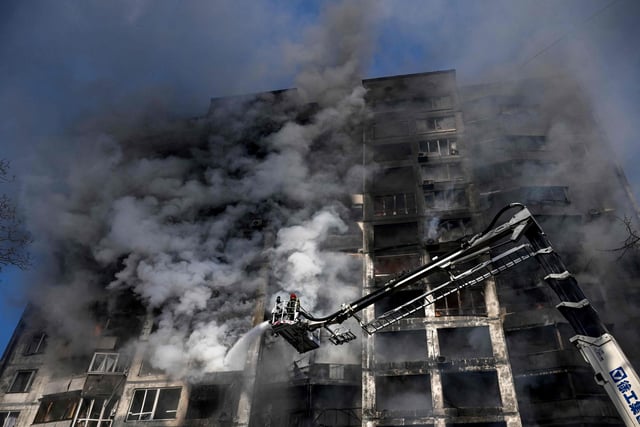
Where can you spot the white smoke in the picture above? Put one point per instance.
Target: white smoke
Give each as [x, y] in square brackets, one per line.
[168, 214]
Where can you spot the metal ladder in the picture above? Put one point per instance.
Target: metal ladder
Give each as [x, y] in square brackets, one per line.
[470, 277]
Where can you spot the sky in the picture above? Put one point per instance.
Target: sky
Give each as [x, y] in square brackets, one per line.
[64, 63]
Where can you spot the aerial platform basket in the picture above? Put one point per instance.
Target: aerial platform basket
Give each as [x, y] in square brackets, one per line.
[296, 334]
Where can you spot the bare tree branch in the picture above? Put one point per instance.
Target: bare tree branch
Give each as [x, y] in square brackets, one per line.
[632, 241]
[14, 238]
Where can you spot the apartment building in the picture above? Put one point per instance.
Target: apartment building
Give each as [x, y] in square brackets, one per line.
[442, 160]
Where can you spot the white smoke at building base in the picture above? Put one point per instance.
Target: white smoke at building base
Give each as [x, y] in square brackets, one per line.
[168, 214]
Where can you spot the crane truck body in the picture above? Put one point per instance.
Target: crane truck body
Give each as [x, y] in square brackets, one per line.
[487, 254]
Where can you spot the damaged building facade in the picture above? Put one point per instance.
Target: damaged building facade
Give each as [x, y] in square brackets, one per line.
[442, 160]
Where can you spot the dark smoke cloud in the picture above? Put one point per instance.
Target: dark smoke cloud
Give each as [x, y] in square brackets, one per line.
[137, 200]
[501, 40]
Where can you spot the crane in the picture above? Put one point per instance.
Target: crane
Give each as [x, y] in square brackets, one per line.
[495, 250]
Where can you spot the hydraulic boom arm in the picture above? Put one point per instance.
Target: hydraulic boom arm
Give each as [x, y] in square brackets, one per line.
[487, 254]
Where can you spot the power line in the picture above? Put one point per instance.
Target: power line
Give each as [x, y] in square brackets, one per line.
[565, 35]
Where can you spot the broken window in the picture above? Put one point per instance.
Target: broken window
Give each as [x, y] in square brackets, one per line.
[440, 102]
[441, 172]
[439, 147]
[96, 412]
[551, 194]
[533, 340]
[470, 389]
[432, 102]
[391, 128]
[147, 368]
[585, 384]
[104, 363]
[465, 302]
[154, 404]
[446, 199]
[534, 298]
[447, 230]
[387, 236]
[393, 264]
[9, 418]
[464, 343]
[388, 152]
[525, 142]
[434, 124]
[336, 372]
[546, 387]
[401, 346]
[396, 299]
[394, 180]
[518, 115]
[206, 401]
[22, 381]
[395, 204]
[57, 407]
[36, 344]
[403, 393]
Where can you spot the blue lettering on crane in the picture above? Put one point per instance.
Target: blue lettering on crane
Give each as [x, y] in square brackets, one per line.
[619, 377]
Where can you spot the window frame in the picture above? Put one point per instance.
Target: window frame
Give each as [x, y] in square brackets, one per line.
[46, 408]
[104, 417]
[442, 172]
[435, 124]
[448, 199]
[336, 372]
[28, 384]
[438, 147]
[114, 368]
[39, 347]
[137, 416]
[399, 204]
[7, 414]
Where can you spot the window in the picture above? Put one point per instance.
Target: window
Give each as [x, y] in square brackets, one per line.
[439, 102]
[390, 128]
[22, 381]
[336, 372]
[391, 152]
[206, 401]
[446, 199]
[395, 204]
[439, 147]
[104, 362]
[95, 412]
[439, 173]
[447, 230]
[154, 404]
[551, 194]
[386, 236]
[465, 343]
[9, 419]
[465, 302]
[525, 142]
[36, 344]
[57, 408]
[470, 389]
[392, 264]
[400, 346]
[434, 124]
[404, 393]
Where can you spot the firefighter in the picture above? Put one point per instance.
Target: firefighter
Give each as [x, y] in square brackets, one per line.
[276, 313]
[293, 306]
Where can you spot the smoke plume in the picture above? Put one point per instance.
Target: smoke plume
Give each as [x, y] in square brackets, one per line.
[180, 211]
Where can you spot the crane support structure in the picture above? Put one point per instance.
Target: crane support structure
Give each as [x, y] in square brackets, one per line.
[484, 255]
